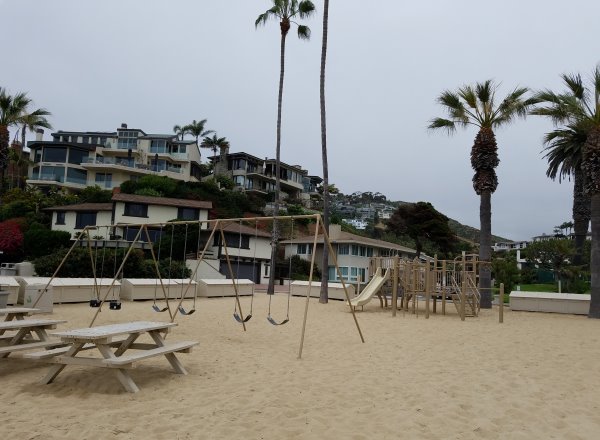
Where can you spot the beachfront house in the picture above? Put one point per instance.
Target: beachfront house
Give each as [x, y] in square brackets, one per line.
[353, 252]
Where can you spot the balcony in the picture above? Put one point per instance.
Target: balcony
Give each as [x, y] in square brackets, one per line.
[116, 162]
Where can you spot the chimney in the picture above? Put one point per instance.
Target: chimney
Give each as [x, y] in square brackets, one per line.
[335, 231]
[123, 125]
[39, 134]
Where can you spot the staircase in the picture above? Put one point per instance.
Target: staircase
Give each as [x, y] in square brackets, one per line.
[471, 294]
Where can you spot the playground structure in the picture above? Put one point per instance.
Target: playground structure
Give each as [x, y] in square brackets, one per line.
[430, 280]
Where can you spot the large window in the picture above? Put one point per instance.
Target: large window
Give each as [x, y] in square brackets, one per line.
[104, 180]
[355, 249]
[78, 157]
[127, 140]
[239, 180]
[136, 210]
[188, 214]
[55, 154]
[343, 249]
[76, 176]
[56, 174]
[158, 146]
[234, 241]
[85, 219]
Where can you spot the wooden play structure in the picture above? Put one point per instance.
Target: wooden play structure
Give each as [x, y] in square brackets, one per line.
[430, 281]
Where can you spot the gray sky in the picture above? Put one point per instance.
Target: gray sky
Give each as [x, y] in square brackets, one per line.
[154, 64]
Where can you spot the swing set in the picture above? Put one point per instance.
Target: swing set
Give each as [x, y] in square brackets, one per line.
[218, 225]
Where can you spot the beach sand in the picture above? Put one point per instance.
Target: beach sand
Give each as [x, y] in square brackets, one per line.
[537, 376]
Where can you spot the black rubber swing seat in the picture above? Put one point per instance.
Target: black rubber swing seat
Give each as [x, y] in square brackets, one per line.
[240, 320]
[95, 303]
[158, 309]
[272, 321]
[115, 305]
[183, 312]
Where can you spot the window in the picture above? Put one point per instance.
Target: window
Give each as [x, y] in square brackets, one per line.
[85, 140]
[56, 174]
[362, 272]
[136, 210]
[55, 154]
[37, 155]
[104, 180]
[304, 249]
[363, 251]
[355, 249]
[354, 274]
[76, 176]
[238, 180]
[127, 140]
[234, 241]
[85, 219]
[267, 267]
[333, 275]
[78, 156]
[343, 249]
[158, 146]
[369, 252]
[60, 217]
[188, 213]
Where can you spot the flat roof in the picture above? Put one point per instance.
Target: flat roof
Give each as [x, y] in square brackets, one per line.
[82, 207]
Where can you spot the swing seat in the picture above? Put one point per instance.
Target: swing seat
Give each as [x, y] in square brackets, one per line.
[272, 321]
[183, 312]
[158, 309]
[240, 320]
[95, 303]
[114, 305]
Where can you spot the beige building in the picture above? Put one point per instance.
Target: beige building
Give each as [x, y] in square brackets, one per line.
[353, 253]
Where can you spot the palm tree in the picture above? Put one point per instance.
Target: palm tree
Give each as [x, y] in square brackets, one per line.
[196, 129]
[20, 164]
[32, 121]
[179, 131]
[11, 109]
[284, 11]
[324, 296]
[476, 105]
[580, 105]
[215, 143]
[564, 154]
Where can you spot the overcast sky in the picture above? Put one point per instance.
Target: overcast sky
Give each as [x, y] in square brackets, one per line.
[153, 64]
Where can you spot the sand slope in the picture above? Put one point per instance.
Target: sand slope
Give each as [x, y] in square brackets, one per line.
[537, 376]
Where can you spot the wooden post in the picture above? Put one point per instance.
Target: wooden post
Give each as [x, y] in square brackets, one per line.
[395, 286]
[463, 287]
[231, 274]
[501, 304]
[428, 280]
[444, 282]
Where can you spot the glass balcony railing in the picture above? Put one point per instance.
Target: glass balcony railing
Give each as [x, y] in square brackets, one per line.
[124, 162]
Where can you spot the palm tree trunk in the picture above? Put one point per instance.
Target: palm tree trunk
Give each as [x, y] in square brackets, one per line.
[275, 236]
[581, 215]
[485, 249]
[324, 295]
[595, 260]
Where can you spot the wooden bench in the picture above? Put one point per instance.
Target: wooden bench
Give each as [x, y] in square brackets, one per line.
[29, 346]
[127, 361]
[25, 334]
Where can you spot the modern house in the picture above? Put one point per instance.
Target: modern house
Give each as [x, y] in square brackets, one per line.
[252, 174]
[353, 252]
[74, 160]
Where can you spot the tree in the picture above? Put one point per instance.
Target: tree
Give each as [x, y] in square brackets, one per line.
[11, 109]
[285, 11]
[180, 131]
[196, 129]
[551, 254]
[32, 121]
[579, 105]
[215, 143]
[564, 148]
[422, 222]
[476, 105]
[11, 237]
[323, 297]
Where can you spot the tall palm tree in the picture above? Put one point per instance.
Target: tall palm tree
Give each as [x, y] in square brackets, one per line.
[476, 105]
[285, 11]
[32, 121]
[11, 109]
[196, 129]
[215, 144]
[179, 131]
[564, 153]
[580, 105]
[324, 296]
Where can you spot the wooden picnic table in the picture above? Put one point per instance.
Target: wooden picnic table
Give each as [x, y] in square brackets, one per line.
[114, 342]
[26, 334]
[19, 313]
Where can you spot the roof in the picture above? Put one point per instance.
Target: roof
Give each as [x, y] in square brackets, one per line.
[244, 230]
[82, 207]
[346, 237]
[164, 201]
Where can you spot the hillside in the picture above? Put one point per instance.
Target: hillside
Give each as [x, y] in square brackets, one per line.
[470, 233]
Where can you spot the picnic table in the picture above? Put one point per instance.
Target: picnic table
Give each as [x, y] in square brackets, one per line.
[26, 334]
[114, 343]
[19, 313]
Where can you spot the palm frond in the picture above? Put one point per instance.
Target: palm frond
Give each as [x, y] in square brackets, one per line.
[440, 123]
[575, 85]
[305, 9]
[303, 32]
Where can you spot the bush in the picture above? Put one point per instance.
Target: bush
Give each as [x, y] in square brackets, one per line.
[39, 241]
[11, 238]
[301, 268]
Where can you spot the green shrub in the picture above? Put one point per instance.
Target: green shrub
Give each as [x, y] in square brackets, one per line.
[39, 241]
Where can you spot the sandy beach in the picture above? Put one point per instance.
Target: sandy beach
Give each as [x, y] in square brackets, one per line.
[536, 376]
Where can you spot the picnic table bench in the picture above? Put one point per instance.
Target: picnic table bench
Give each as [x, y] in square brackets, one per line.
[114, 342]
[22, 335]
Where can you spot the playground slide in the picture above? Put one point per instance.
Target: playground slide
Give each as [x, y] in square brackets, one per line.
[371, 289]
